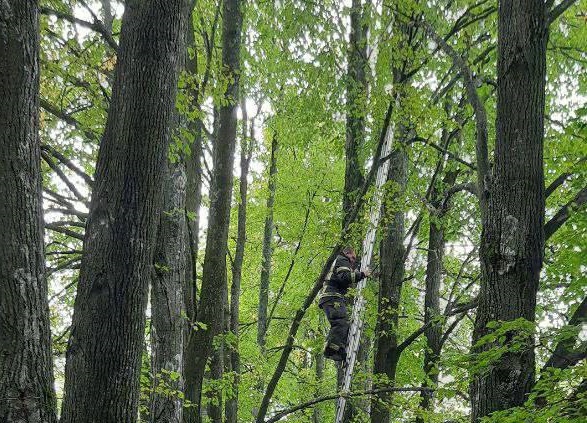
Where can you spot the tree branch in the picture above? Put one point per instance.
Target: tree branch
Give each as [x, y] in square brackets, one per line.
[63, 230]
[565, 355]
[68, 119]
[318, 283]
[478, 108]
[282, 413]
[558, 10]
[64, 178]
[564, 213]
[96, 26]
[68, 163]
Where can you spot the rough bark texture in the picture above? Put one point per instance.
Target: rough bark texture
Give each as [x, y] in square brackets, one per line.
[433, 332]
[192, 205]
[391, 281]
[239, 255]
[168, 324]
[104, 352]
[356, 105]
[26, 376]
[356, 91]
[267, 249]
[513, 236]
[210, 310]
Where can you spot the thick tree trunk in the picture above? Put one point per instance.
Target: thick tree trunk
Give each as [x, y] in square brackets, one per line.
[168, 324]
[210, 310]
[513, 236]
[356, 104]
[104, 353]
[26, 368]
[267, 249]
[391, 281]
[239, 255]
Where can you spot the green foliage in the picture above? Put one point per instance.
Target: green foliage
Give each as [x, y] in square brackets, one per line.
[294, 72]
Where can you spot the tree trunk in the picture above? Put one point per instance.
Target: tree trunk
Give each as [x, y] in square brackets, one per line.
[433, 333]
[107, 15]
[26, 368]
[267, 249]
[192, 209]
[168, 327]
[391, 281]
[513, 237]
[356, 104]
[104, 352]
[235, 289]
[210, 310]
[434, 269]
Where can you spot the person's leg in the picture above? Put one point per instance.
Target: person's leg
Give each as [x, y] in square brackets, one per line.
[336, 314]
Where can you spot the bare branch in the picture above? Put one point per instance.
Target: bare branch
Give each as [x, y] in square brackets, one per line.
[282, 413]
[67, 118]
[63, 230]
[564, 213]
[63, 177]
[96, 26]
[558, 10]
[68, 163]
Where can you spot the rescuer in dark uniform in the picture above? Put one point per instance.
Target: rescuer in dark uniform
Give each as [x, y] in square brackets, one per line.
[342, 276]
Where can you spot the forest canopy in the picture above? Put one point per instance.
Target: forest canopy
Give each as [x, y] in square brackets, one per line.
[180, 178]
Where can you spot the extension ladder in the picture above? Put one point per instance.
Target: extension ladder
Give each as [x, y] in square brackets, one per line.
[368, 244]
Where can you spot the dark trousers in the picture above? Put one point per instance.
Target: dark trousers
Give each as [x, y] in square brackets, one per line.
[336, 313]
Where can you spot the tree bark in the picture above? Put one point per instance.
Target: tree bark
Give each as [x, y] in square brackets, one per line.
[432, 312]
[433, 333]
[267, 249]
[107, 15]
[210, 310]
[235, 289]
[356, 104]
[513, 236]
[391, 280]
[26, 368]
[105, 345]
[192, 209]
[168, 324]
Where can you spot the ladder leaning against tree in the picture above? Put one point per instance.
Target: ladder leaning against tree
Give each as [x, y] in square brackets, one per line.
[368, 243]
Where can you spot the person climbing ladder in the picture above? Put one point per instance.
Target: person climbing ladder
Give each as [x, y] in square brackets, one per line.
[343, 275]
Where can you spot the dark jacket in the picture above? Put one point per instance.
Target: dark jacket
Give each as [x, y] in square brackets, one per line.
[341, 277]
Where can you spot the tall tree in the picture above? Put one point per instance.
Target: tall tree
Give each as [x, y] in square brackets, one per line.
[356, 102]
[168, 323]
[267, 248]
[247, 144]
[214, 284]
[356, 109]
[512, 245]
[105, 345]
[194, 173]
[26, 374]
[390, 285]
